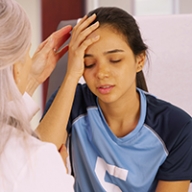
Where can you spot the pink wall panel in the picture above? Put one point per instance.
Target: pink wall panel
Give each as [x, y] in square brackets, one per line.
[169, 74]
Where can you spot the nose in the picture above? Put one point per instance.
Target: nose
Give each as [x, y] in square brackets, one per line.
[102, 72]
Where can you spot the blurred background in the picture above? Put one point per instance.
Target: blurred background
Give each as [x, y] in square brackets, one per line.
[45, 16]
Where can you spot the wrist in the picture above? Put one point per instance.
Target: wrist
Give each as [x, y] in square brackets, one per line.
[72, 78]
[31, 85]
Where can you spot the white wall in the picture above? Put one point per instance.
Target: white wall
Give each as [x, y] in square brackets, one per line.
[145, 7]
[33, 10]
[157, 7]
[161, 7]
[124, 4]
[185, 6]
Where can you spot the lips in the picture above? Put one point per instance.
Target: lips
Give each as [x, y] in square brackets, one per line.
[105, 89]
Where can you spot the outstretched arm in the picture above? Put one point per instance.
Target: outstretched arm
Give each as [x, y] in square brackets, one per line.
[176, 186]
[52, 128]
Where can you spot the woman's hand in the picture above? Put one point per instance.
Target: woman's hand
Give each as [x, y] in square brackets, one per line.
[79, 43]
[46, 56]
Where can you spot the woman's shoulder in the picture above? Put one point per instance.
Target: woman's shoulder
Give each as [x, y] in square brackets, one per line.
[162, 108]
[171, 123]
[166, 118]
[162, 115]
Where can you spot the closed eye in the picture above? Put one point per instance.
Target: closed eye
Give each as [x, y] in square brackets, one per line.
[89, 66]
[115, 61]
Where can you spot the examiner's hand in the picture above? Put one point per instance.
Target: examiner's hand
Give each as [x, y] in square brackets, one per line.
[46, 56]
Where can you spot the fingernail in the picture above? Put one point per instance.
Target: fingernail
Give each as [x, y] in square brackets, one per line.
[96, 23]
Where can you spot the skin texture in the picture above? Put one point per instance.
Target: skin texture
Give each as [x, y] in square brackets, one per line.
[176, 186]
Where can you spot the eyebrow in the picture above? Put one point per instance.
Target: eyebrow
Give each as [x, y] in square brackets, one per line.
[107, 52]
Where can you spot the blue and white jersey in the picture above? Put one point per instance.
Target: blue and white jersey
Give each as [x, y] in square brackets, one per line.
[159, 148]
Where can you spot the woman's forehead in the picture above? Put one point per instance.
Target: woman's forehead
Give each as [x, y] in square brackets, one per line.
[109, 40]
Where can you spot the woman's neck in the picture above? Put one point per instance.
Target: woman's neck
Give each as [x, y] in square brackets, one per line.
[122, 116]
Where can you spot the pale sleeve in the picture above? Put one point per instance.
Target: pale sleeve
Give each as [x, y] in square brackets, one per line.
[31, 105]
[47, 173]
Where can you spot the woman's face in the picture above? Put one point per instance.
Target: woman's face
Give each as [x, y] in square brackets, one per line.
[111, 67]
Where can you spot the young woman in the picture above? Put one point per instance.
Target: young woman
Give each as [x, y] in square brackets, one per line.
[122, 138]
[26, 163]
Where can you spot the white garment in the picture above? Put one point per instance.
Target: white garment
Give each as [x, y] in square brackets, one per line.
[30, 165]
[32, 107]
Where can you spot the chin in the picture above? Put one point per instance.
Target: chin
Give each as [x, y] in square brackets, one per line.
[107, 100]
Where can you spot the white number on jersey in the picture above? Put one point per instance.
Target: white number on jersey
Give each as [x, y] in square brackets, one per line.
[100, 169]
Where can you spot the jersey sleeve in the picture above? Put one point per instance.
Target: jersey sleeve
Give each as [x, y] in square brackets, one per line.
[45, 171]
[178, 165]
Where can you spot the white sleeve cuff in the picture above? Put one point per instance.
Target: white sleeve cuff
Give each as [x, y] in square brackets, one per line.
[31, 105]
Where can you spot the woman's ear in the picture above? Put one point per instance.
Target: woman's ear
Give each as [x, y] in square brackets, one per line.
[140, 60]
